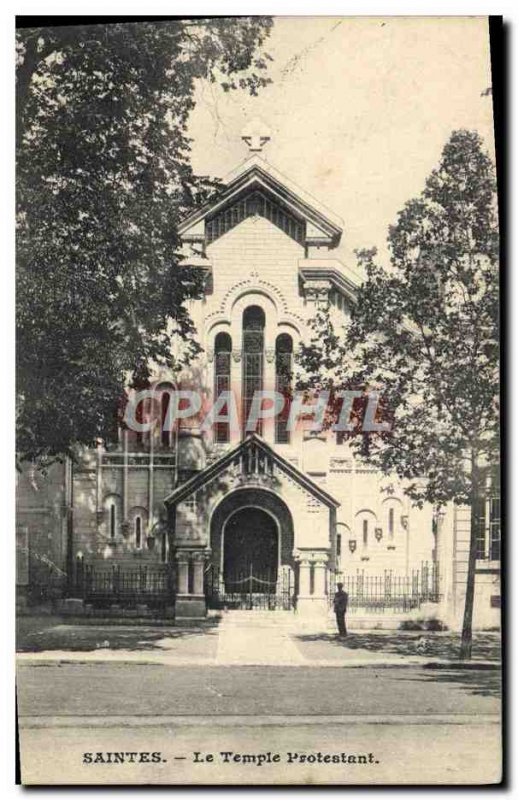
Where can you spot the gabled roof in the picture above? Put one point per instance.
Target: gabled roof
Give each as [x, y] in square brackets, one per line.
[213, 470]
[322, 226]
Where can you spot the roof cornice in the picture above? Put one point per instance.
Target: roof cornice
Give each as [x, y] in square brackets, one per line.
[330, 270]
[325, 227]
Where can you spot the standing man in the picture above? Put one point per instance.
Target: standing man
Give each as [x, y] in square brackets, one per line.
[340, 607]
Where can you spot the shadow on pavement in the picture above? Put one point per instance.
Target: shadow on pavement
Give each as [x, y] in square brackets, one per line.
[37, 635]
[433, 645]
[485, 683]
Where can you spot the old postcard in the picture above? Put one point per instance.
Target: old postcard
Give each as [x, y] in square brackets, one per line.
[258, 473]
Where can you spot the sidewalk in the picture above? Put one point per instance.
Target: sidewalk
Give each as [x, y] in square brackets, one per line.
[248, 639]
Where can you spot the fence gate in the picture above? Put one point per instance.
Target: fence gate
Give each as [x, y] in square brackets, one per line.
[246, 590]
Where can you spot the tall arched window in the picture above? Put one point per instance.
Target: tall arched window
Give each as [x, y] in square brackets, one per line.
[159, 409]
[140, 418]
[164, 408]
[138, 532]
[112, 508]
[222, 354]
[283, 367]
[253, 357]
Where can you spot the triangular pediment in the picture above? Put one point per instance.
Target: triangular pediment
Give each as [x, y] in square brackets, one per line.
[257, 188]
[252, 457]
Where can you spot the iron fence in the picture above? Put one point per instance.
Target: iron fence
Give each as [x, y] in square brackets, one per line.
[126, 586]
[389, 592]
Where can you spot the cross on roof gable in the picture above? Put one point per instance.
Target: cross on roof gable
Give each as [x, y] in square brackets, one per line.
[251, 442]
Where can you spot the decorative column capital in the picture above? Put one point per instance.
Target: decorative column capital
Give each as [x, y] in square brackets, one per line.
[319, 558]
[200, 555]
[317, 292]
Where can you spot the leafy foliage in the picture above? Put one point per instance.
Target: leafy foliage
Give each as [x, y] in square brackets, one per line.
[424, 333]
[103, 180]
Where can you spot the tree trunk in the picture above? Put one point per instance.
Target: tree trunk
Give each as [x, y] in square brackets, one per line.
[69, 506]
[467, 622]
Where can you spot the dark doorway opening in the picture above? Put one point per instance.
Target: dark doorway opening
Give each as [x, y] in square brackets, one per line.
[251, 550]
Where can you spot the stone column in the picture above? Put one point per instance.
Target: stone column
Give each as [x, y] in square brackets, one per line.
[269, 385]
[236, 381]
[190, 605]
[182, 559]
[199, 559]
[312, 603]
[320, 567]
[304, 577]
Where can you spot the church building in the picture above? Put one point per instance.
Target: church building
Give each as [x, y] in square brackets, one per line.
[216, 516]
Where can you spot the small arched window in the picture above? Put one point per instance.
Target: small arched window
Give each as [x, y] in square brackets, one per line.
[113, 520]
[283, 369]
[253, 358]
[343, 536]
[391, 522]
[364, 527]
[222, 361]
[138, 533]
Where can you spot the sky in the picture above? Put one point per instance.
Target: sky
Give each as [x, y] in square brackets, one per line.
[359, 110]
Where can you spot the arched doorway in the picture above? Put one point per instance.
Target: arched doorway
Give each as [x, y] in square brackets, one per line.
[251, 550]
[252, 564]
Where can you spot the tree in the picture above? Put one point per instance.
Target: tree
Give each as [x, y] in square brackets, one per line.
[103, 180]
[424, 333]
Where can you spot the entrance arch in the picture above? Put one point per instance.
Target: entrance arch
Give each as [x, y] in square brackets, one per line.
[252, 543]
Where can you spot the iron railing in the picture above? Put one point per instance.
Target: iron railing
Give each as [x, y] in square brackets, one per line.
[126, 586]
[389, 592]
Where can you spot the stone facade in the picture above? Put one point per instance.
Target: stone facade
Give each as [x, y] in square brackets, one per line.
[155, 502]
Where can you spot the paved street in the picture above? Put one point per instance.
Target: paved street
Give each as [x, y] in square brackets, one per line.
[284, 703]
